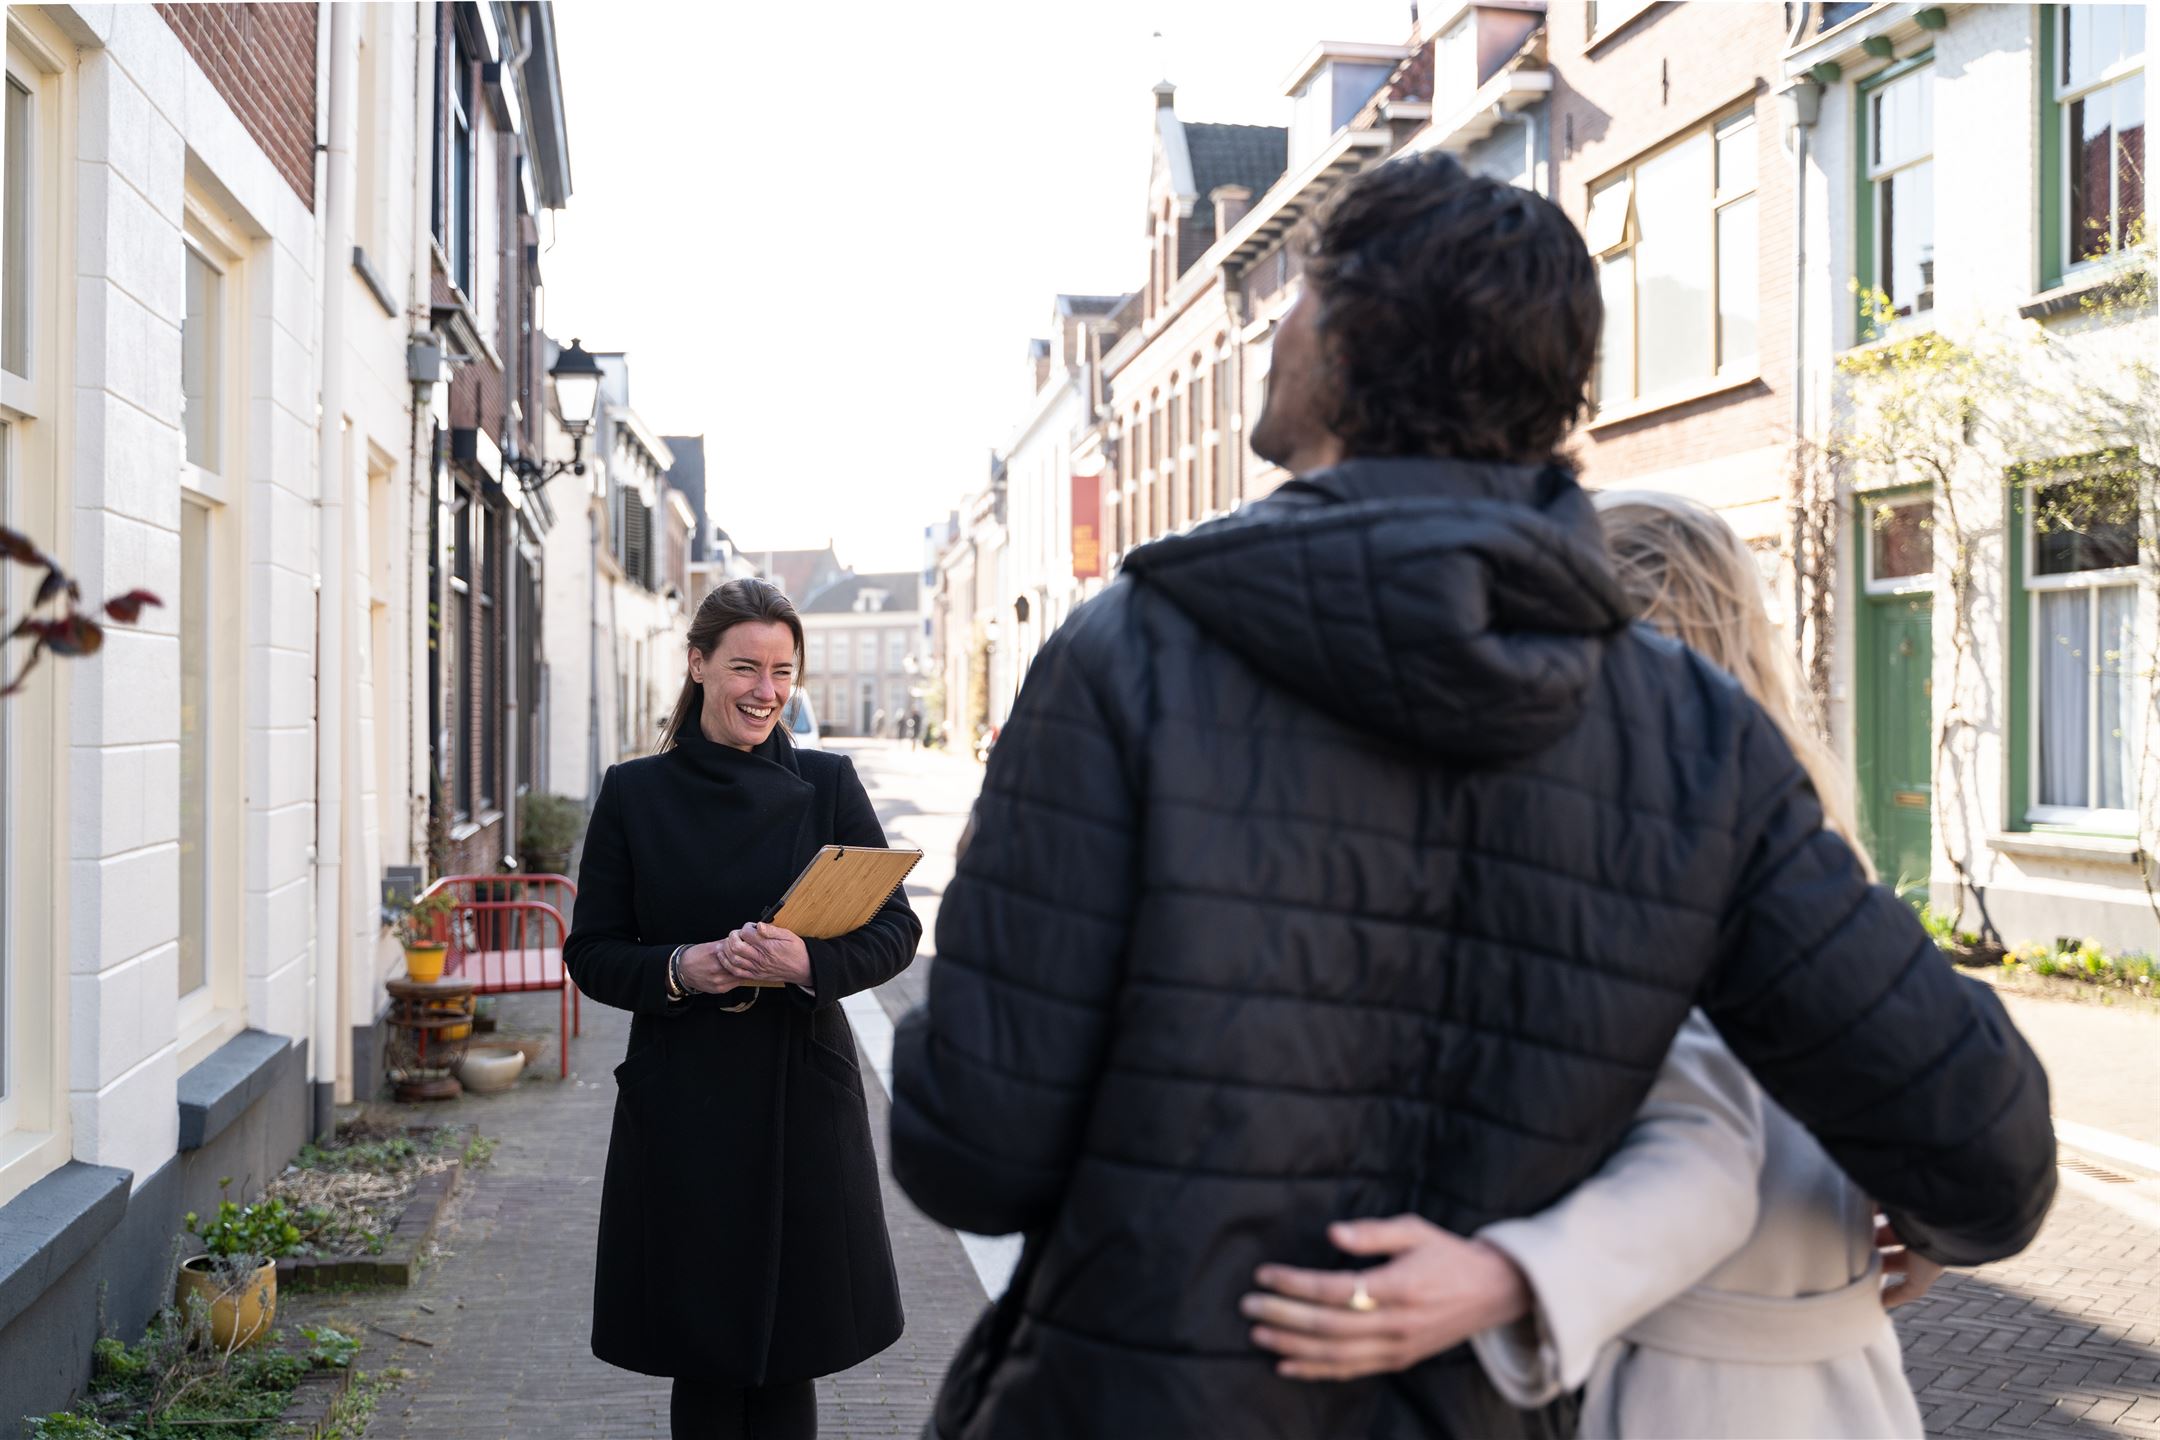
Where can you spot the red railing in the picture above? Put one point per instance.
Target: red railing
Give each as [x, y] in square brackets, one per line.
[506, 935]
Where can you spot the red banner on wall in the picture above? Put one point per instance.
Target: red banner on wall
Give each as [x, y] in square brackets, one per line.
[1087, 527]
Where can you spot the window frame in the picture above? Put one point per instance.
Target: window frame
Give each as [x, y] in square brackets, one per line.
[2024, 812]
[2056, 266]
[36, 456]
[216, 1011]
[1865, 219]
[1723, 373]
[1893, 499]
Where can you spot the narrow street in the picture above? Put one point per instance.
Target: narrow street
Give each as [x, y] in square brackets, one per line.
[2065, 1339]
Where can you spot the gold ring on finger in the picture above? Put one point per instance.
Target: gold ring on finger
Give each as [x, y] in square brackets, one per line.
[1361, 1299]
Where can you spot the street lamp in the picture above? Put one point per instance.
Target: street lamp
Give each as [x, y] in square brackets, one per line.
[577, 392]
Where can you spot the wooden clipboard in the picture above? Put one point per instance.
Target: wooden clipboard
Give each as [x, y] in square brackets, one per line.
[838, 892]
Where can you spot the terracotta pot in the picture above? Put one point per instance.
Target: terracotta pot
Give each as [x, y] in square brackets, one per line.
[424, 963]
[237, 1319]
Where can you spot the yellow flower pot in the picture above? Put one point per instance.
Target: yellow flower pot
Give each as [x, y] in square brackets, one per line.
[424, 963]
[237, 1318]
[460, 1031]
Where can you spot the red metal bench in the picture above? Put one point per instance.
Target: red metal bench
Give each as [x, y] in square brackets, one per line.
[506, 933]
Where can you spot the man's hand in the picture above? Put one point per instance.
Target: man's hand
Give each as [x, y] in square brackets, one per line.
[1437, 1292]
[1911, 1276]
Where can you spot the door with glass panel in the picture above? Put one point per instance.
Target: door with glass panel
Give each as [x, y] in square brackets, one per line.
[1895, 723]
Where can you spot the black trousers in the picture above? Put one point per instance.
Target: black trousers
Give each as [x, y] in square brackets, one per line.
[701, 1411]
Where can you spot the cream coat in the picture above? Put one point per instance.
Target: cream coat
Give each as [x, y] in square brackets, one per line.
[1717, 1276]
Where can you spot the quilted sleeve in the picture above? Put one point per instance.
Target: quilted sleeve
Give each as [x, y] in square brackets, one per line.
[994, 1073]
[1912, 1076]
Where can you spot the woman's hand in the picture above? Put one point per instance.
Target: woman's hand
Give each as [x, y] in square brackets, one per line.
[1437, 1292]
[755, 952]
[765, 952]
[1911, 1276]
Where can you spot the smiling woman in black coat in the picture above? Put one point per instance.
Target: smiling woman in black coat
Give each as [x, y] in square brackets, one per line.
[742, 1236]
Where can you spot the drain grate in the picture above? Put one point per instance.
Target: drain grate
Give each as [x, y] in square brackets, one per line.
[2092, 1171]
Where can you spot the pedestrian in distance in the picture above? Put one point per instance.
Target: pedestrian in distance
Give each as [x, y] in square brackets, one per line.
[742, 1248]
[1356, 856]
[1719, 1275]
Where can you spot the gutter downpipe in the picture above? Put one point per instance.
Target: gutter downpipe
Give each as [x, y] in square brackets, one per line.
[331, 908]
[1806, 101]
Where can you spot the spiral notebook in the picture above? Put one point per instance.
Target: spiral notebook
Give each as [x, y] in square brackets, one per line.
[841, 888]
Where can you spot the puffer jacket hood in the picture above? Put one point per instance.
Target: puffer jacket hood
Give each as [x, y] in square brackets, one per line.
[1464, 607]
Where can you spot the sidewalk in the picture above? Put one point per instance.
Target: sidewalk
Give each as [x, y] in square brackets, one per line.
[507, 1312]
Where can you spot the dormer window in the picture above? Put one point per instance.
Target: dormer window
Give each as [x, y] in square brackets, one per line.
[1329, 88]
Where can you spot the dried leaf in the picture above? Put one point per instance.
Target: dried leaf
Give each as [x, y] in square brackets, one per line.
[16, 546]
[128, 608]
[74, 635]
[53, 583]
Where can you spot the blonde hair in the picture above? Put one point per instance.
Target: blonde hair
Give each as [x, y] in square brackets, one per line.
[1694, 579]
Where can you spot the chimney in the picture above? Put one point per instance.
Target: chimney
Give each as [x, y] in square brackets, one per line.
[1231, 203]
[1165, 95]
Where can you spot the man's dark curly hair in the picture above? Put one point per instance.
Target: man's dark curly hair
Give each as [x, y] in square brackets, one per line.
[1459, 314]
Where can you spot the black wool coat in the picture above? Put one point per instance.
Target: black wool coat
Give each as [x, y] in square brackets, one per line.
[1353, 856]
[742, 1234]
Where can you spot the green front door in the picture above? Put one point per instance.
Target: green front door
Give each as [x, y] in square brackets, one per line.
[1896, 739]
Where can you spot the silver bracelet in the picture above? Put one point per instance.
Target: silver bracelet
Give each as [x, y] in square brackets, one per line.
[678, 991]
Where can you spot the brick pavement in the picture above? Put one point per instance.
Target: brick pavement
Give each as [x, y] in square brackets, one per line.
[508, 1308]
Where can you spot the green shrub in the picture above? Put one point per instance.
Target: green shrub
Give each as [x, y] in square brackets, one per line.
[263, 1230]
[549, 824]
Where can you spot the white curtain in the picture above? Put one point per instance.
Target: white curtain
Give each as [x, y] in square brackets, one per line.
[2118, 706]
[2065, 696]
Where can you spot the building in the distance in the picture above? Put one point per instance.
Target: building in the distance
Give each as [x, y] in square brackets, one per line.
[866, 652]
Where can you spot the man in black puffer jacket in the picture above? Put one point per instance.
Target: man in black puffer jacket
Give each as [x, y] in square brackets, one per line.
[1353, 855]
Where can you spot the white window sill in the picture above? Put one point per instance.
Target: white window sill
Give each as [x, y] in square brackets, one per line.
[2053, 845]
[1671, 399]
[28, 1156]
[2091, 283]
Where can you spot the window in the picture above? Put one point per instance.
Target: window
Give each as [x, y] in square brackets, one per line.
[458, 239]
[814, 653]
[2095, 71]
[866, 651]
[1455, 67]
[195, 729]
[489, 638]
[202, 362]
[1194, 503]
[458, 653]
[1898, 207]
[1602, 19]
[1901, 544]
[2080, 569]
[1218, 449]
[1675, 238]
[16, 286]
[896, 651]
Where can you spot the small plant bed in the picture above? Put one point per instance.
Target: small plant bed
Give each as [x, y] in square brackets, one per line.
[2083, 970]
[368, 1203]
[175, 1385]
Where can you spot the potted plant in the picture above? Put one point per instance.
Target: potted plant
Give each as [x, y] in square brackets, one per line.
[548, 830]
[419, 928]
[235, 1276]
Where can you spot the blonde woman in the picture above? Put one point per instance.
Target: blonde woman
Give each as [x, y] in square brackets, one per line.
[1719, 1275]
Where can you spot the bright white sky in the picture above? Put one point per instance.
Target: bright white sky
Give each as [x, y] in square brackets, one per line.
[825, 232]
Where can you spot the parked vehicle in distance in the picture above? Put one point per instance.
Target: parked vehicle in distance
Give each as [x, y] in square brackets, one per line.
[800, 717]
